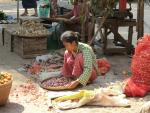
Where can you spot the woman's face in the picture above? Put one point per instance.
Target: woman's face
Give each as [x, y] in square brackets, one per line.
[69, 46]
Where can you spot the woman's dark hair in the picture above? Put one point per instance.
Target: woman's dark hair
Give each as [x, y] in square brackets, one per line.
[70, 36]
[79, 1]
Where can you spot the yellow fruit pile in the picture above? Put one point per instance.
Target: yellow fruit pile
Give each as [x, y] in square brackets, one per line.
[5, 77]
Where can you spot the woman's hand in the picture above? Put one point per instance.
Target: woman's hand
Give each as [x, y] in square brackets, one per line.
[73, 85]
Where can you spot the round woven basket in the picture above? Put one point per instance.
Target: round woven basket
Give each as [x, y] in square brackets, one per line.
[58, 88]
[4, 92]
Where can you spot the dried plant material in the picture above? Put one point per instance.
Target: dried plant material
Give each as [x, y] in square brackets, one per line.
[31, 28]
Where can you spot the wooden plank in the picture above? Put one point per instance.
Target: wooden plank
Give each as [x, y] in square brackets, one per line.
[124, 22]
[140, 19]
[3, 36]
[130, 30]
[33, 55]
[18, 11]
[7, 40]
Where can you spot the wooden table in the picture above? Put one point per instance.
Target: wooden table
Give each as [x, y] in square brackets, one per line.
[112, 26]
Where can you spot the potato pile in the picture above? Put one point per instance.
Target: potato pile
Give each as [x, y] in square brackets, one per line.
[5, 78]
[31, 28]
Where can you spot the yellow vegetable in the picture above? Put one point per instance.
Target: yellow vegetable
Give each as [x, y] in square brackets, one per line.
[77, 96]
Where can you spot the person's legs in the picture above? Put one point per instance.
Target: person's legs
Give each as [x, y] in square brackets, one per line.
[79, 66]
[35, 14]
[68, 65]
[25, 12]
[35, 8]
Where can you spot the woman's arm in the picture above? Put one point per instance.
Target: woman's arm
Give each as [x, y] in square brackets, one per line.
[88, 66]
[67, 15]
[64, 68]
[75, 20]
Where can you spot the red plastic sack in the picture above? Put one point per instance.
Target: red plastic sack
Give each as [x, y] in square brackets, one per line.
[103, 65]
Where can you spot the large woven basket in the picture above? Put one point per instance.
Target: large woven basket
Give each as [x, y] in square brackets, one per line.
[58, 88]
[4, 92]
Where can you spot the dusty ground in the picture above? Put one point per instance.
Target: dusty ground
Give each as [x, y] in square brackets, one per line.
[11, 62]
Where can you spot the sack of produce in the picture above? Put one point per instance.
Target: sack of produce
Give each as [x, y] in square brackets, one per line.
[140, 66]
[103, 65]
[5, 86]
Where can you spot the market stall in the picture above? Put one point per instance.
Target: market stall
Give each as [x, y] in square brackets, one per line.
[112, 20]
[27, 40]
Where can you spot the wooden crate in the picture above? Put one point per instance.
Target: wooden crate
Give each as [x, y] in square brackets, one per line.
[7, 40]
[1, 36]
[30, 47]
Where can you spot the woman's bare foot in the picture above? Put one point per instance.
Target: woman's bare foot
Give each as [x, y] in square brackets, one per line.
[24, 14]
[35, 15]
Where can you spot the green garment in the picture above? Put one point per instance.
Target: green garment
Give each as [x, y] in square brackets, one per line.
[44, 12]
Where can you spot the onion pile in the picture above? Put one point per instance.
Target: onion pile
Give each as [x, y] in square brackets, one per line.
[31, 28]
[56, 82]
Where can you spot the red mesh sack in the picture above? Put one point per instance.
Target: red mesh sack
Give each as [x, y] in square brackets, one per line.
[103, 65]
[140, 66]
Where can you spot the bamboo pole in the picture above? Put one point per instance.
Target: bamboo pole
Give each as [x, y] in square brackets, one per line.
[140, 18]
[17, 11]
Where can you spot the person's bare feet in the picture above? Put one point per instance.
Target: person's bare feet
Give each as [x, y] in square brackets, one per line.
[24, 14]
[35, 15]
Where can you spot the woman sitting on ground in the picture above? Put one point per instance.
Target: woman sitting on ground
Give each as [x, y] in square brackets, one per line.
[80, 61]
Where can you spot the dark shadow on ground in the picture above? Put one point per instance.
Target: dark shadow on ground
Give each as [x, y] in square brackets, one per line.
[12, 108]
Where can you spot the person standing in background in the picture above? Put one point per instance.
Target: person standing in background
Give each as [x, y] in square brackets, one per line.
[44, 8]
[54, 7]
[29, 4]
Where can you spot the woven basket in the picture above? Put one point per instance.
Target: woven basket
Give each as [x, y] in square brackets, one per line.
[4, 92]
[58, 88]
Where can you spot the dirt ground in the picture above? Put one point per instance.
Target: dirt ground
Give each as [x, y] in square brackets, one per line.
[11, 62]
[119, 63]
